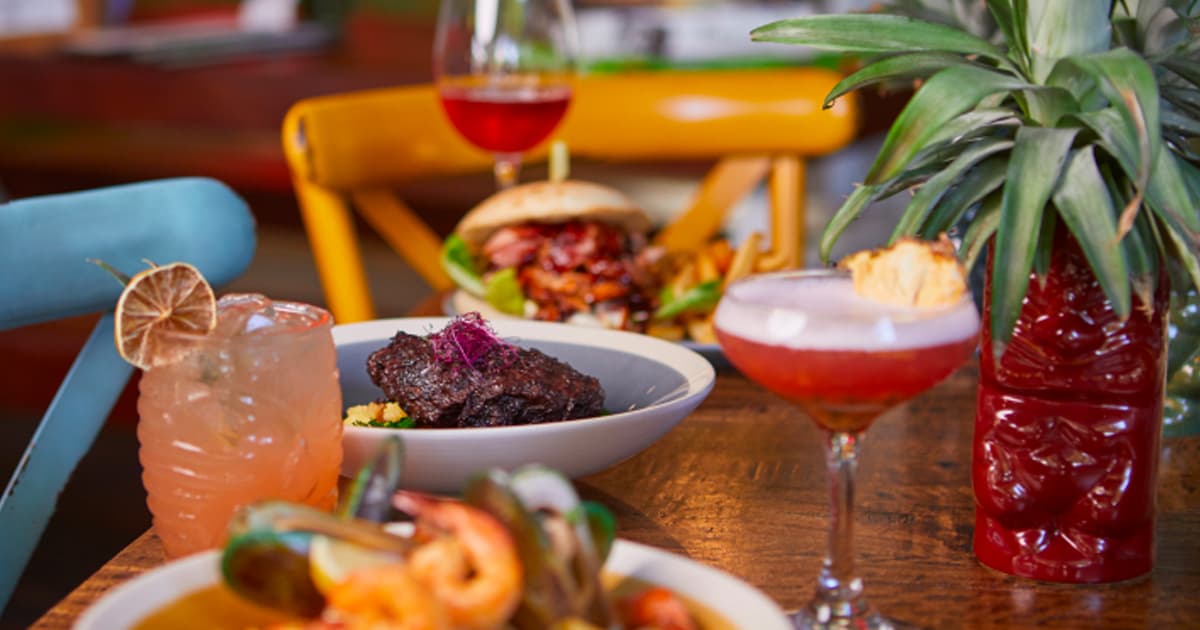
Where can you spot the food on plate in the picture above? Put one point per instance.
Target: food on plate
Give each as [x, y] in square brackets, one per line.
[695, 285]
[557, 251]
[518, 551]
[466, 376]
[911, 272]
[389, 415]
[575, 251]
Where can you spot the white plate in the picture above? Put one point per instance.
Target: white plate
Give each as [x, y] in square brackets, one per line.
[650, 385]
[459, 301]
[741, 604]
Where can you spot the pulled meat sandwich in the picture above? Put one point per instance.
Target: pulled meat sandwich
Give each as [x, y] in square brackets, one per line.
[556, 251]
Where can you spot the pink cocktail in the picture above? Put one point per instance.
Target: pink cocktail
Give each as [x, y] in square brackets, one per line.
[247, 412]
[844, 360]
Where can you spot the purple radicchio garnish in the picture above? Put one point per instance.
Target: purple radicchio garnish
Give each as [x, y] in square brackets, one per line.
[467, 341]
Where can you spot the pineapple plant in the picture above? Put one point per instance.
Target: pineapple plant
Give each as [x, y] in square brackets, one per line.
[1061, 139]
[1035, 110]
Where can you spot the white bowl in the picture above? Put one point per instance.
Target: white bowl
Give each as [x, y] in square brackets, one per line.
[650, 386]
[741, 604]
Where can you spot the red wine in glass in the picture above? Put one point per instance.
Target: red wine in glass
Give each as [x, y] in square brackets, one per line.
[505, 121]
[503, 70]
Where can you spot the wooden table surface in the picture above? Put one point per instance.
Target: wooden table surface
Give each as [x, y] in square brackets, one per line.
[740, 485]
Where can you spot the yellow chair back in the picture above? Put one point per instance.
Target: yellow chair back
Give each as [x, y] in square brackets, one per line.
[357, 147]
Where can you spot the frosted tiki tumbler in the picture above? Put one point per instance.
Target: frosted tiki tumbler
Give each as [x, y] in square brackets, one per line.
[250, 411]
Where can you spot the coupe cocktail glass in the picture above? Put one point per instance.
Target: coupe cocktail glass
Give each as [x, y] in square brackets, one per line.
[248, 412]
[844, 360]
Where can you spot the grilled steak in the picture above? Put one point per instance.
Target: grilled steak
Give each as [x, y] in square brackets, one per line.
[506, 386]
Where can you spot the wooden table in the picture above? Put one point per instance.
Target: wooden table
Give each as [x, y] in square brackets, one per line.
[740, 485]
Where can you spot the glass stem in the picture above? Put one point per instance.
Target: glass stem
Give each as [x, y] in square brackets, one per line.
[839, 590]
[507, 169]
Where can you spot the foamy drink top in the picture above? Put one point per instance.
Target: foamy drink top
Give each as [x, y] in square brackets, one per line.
[824, 312]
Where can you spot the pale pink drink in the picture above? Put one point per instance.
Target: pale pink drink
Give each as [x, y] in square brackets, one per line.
[250, 411]
[844, 360]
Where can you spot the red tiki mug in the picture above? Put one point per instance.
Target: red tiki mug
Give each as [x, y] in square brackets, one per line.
[1067, 431]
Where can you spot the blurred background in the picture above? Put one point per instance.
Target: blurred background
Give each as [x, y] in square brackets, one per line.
[102, 92]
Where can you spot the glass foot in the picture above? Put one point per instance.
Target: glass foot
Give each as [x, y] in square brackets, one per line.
[807, 618]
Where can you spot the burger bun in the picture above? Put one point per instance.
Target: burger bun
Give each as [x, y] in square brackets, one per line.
[551, 202]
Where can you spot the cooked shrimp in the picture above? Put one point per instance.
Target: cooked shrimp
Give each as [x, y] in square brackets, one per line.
[470, 564]
[384, 597]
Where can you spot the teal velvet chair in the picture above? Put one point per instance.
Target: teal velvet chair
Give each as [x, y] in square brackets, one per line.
[45, 243]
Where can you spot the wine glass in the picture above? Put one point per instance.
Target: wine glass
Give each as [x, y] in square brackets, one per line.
[844, 360]
[503, 70]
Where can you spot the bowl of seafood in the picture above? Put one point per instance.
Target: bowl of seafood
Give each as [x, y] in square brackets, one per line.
[468, 394]
[518, 550]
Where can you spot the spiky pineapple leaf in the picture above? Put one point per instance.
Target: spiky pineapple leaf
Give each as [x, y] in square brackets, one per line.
[928, 194]
[1002, 13]
[1171, 195]
[904, 66]
[875, 33]
[1114, 135]
[974, 186]
[847, 213]
[944, 96]
[1129, 83]
[1046, 107]
[1056, 30]
[1182, 251]
[981, 229]
[1084, 204]
[947, 144]
[1172, 118]
[1034, 168]
[1044, 250]
[1139, 244]
[976, 122]
[1185, 68]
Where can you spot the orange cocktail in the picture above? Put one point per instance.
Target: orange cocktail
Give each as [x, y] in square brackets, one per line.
[843, 359]
[248, 411]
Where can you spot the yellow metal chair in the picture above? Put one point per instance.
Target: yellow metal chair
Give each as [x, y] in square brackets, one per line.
[351, 150]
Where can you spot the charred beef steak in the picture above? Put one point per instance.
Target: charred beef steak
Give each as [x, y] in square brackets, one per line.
[505, 386]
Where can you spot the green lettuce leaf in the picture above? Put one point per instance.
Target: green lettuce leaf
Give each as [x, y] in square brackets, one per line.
[459, 264]
[502, 291]
[700, 298]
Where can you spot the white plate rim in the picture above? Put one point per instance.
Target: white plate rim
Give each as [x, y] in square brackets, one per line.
[627, 558]
[698, 372]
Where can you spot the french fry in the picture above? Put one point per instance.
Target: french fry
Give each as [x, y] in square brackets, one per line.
[706, 267]
[684, 278]
[700, 328]
[765, 264]
[721, 254]
[665, 330]
[742, 263]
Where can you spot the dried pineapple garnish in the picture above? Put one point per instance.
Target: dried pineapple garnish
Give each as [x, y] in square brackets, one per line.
[911, 272]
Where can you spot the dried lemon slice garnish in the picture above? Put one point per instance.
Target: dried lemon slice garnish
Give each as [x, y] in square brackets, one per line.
[156, 301]
[911, 272]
